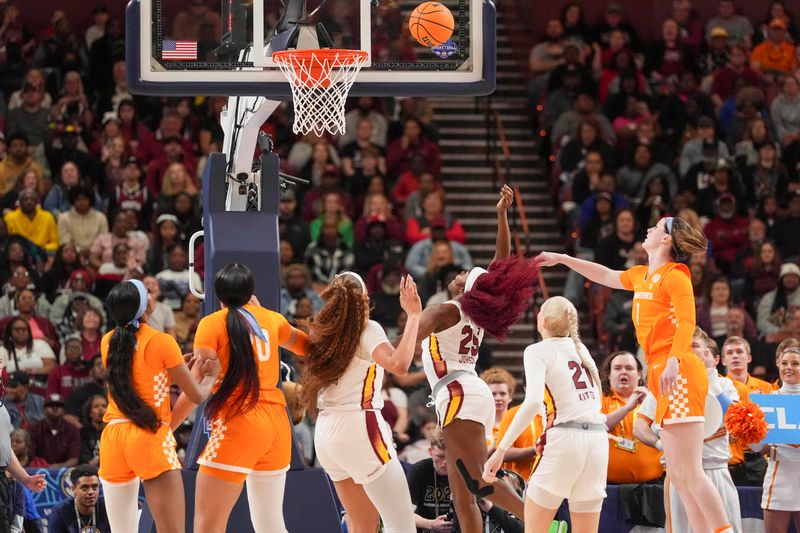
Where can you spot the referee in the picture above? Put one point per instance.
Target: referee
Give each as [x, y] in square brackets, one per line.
[8, 461]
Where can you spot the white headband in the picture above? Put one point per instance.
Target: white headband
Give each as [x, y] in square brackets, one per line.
[353, 274]
[473, 276]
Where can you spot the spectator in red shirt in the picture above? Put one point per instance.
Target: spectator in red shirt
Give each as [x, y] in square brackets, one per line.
[726, 78]
[401, 152]
[668, 56]
[329, 183]
[151, 148]
[174, 151]
[57, 441]
[727, 232]
[73, 373]
[419, 228]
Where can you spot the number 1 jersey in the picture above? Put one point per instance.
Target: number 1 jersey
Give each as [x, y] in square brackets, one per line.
[454, 348]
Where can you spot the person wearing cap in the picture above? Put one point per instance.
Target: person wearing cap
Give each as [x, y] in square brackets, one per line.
[24, 407]
[614, 19]
[776, 56]
[20, 279]
[739, 28]
[76, 295]
[724, 181]
[774, 307]
[377, 245]
[31, 118]
[74, 149]
[727, 232]
[716, 56]
[82, 224]
[56, 440]
[131, 195]
[103, 246]
[17, 162]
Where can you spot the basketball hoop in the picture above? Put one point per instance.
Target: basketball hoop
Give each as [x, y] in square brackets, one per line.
[320, 80]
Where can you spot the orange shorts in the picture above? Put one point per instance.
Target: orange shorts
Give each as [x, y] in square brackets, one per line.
[258, 441]
[688, 402]
[128, 451]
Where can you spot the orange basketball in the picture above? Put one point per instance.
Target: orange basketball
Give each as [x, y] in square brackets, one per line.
[431, 24]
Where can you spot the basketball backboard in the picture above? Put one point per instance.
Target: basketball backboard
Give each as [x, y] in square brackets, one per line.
[224, 47]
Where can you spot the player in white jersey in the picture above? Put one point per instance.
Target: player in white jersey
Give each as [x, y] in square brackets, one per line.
[343, 376]
[780, 498]
[451, 333]
[574, 461]
[716, 448]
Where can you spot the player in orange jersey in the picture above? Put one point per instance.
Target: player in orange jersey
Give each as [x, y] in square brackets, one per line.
[251, 435]
[664, 318]
[138, 443]
[343, 377]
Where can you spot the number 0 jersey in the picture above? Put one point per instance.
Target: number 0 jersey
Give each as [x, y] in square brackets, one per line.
[455, 348]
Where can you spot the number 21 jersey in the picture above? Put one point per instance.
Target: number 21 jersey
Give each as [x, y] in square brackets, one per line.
[454, 348]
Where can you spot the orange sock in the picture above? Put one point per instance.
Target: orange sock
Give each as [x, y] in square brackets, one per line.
[724, 529]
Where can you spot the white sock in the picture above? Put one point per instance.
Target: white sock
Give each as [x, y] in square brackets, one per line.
[265, 496]
[122, 505]
[390, 496]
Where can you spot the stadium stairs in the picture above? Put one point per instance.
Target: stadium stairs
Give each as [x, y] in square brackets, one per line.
[469, 144]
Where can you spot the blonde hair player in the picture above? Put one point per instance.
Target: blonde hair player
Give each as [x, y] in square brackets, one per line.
[782, 483]
[574, 462]
[451, 334]
[343, 376]
[664, 317]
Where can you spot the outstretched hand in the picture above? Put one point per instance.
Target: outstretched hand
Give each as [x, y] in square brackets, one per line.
[506, 198]
[409, 299]
[36, 482]
[548, 259]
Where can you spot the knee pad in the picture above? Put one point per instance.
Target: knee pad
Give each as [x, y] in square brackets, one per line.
[587, 506]
[473, 484]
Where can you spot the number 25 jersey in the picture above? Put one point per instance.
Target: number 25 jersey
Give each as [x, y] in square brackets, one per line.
[455, 348]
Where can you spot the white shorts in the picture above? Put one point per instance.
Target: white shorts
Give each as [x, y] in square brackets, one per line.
[353, 444]
[573, 465]
[467, 398]
[781, 486]
[678, 521]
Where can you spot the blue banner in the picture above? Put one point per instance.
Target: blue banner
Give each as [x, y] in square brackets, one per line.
[782, 412]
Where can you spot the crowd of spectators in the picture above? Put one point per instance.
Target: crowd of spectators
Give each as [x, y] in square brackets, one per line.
[701, 122]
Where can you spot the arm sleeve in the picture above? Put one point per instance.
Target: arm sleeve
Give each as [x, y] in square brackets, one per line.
[373, 336]
[167, 349]
[300, 344]
[52, 236]
[679, 287]
[207, 333]
[535, 370]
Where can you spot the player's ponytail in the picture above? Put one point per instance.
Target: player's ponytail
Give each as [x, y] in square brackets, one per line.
[497, 298]
[334, 335]
[686, 239]
[125, 307]
[561, 318]
[240, 387]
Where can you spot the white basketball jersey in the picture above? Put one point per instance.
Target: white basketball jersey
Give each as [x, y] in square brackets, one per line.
[576, 397]
[455, 348]
[359, 388]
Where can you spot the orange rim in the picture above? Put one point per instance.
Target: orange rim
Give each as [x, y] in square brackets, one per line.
[342, 56]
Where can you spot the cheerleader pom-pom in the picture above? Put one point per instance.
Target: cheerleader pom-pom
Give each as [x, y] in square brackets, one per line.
[745, 421]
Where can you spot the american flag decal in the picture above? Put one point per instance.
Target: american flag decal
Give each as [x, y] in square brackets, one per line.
[172, 50]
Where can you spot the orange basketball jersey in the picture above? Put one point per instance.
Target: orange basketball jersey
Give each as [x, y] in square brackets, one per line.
[155, 353]
[663, 308]
[212, 333]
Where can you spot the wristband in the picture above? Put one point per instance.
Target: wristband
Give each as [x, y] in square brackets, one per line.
[659, 446]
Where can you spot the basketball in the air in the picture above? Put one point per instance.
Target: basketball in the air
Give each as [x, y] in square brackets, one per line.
[431, 24]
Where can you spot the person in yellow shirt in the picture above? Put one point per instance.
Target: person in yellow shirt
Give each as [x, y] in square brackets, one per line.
[776, 55]
[17, 163]
[628, 460]
[32, 222]
[736, 356]
[521, 457]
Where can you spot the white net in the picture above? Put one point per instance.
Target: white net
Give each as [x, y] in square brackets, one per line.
[320, 81]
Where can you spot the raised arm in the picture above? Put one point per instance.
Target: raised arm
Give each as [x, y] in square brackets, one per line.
[436, 318]
[397, 359]
[593, 271]
[503, 241]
